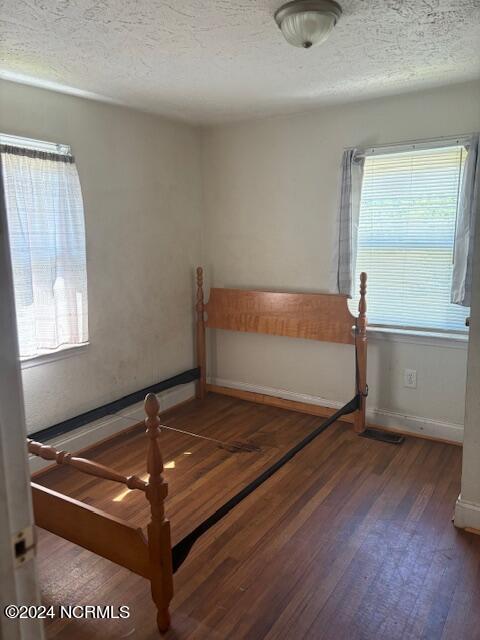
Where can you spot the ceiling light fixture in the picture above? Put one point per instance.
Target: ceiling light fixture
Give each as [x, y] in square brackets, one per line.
[305, 23]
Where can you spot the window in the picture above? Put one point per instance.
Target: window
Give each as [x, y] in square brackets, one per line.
[406, 232]
[47, 245]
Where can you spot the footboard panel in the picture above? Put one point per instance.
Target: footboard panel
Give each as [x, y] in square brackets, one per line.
[92, 529]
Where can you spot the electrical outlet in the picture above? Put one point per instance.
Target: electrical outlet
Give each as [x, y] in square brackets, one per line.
[410, 378]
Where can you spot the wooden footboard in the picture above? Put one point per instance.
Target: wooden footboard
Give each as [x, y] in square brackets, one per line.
[91, 529]
[106, 535]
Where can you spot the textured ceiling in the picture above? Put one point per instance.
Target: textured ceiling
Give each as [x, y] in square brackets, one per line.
[214, 60]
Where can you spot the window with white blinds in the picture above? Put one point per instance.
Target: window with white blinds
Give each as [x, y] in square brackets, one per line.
[406, 235]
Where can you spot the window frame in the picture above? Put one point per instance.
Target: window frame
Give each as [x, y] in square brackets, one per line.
[63, 351]
[404, 333]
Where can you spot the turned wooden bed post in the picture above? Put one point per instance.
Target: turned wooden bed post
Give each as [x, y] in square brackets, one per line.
[159, 544]
[201, 354]
[361, 355]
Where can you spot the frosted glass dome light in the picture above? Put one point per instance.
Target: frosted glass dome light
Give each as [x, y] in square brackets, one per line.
[305, 23]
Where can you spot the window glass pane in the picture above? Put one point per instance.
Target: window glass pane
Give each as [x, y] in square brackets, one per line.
[406, 238]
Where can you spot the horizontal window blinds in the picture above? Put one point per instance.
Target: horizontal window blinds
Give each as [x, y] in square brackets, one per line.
[406, 238]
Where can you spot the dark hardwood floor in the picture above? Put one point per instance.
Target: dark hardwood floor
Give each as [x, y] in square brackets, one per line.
[351, 540]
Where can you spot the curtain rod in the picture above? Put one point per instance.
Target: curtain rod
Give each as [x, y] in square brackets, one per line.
[420, 144]
[37, 145]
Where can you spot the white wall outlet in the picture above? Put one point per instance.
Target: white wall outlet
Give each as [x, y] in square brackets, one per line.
[410, 378]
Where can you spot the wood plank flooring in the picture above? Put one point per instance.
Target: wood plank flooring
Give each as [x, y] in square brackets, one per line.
[350, 540]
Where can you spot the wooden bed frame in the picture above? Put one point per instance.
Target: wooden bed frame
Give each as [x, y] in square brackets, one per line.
[314, 316]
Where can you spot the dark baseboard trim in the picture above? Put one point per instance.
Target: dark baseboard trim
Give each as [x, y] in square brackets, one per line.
[113, 407]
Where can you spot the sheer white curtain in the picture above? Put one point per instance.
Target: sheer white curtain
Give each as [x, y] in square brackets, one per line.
[47, 242]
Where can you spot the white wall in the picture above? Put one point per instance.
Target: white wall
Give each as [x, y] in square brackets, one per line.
[270, 198]
[467, 510]
[141, 184]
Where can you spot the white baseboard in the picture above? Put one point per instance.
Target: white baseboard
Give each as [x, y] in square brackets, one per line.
[94, 432]
[467, 514]
[417, 425]
[383, 417]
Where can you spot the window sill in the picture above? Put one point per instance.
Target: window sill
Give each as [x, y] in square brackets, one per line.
[429, 338]
[60, 354]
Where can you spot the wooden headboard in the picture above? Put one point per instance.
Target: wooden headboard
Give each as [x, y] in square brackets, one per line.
[312, 316]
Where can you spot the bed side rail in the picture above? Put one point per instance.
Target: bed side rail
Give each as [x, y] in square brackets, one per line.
[47, 452]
